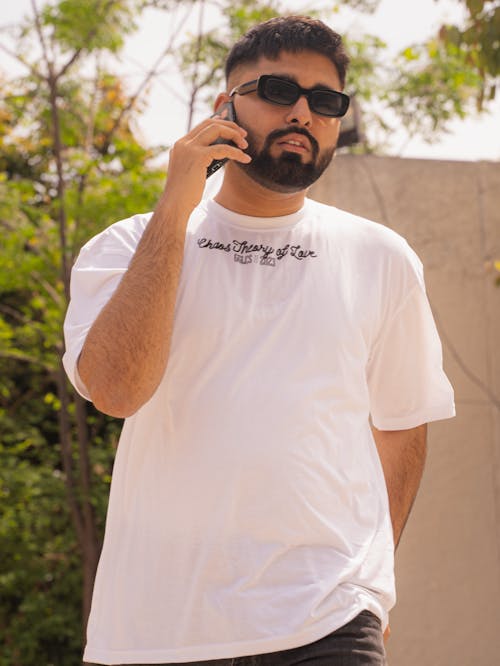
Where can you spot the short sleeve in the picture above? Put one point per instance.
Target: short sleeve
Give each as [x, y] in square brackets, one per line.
[95, 276]
[406, 381]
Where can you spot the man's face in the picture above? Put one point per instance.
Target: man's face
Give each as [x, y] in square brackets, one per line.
[290, 146]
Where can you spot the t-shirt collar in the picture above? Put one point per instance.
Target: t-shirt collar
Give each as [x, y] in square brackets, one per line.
[257, 223]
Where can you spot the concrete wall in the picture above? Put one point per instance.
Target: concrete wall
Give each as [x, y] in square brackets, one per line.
[448, 562]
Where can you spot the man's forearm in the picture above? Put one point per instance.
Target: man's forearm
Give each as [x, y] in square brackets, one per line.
[126, 350]
[402, 454]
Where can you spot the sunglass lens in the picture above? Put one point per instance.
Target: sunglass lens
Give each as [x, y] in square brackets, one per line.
[328, 103]
[280, 92]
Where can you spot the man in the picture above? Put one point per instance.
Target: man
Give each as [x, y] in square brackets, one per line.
[248, 340]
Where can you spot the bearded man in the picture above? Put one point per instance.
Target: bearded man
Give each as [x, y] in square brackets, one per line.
[276, 363]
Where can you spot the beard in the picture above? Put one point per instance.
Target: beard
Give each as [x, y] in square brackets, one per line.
[285, 173]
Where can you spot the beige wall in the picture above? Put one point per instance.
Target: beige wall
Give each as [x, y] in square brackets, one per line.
[448, 562]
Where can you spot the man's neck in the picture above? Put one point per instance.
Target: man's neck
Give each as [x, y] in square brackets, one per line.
[243, 195]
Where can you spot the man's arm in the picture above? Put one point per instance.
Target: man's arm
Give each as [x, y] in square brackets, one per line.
[402, 454]
[126, 350]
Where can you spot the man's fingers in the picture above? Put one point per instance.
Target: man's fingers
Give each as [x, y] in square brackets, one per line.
[218, 120]
[387, 633]
[220, 130]
[221, 151]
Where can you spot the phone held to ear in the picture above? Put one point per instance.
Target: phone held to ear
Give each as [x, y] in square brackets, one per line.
[230, 115]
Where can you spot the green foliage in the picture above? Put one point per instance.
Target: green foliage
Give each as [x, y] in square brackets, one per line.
[478, 40]
[434, 85]
[367, 6]
[40, 576]
[89, 25]
[106, 176]
[367, 56]
[40, 568]
[241, 17]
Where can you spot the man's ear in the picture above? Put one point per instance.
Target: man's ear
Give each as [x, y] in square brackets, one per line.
[221, 99]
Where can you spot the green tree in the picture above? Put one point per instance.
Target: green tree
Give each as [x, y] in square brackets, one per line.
[479, 41]
[450, 75]
[70, 164]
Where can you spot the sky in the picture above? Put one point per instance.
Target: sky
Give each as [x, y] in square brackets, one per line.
[398, 22]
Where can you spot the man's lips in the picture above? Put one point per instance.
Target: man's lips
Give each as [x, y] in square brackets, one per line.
[295, 142]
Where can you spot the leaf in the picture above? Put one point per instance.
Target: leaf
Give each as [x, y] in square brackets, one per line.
[410, 54]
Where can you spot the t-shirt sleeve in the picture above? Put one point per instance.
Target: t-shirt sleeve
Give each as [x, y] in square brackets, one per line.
[406, 381]
[94, 278]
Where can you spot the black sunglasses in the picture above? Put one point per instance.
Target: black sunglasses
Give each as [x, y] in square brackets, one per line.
[324, 101]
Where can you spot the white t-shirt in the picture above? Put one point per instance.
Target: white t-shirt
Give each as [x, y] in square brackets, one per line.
[248, 510]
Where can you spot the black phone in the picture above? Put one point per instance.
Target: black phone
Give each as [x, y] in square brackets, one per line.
[230, 115]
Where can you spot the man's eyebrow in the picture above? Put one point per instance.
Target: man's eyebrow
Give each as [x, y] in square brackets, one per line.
[293, 79]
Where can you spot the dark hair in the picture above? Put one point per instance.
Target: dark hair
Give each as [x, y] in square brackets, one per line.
[288, 33]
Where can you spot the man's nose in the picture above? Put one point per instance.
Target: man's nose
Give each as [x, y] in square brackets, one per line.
[300, 112]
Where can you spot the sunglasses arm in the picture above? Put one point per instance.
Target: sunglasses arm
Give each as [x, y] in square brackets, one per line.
[245, 88]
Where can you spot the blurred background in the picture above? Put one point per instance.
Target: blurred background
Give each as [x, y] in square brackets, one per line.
[93, 94]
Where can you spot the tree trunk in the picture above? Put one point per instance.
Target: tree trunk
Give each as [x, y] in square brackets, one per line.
[91, 542]
[78, 493]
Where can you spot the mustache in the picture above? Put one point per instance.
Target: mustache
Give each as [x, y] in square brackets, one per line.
[280, 133]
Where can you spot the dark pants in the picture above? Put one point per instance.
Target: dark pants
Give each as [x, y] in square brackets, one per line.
[358, 643]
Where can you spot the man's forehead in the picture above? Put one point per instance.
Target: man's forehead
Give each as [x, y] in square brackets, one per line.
[307, 68]
[295, 79]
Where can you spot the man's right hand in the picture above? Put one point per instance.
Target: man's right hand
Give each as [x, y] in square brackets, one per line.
[191, 155]
[126, 350]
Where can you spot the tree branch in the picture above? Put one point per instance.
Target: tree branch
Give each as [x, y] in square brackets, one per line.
[15, 314]
[56, 297]
[41, 37]
[194, 78]
[149, 75]
[93, 106]
[23, 62]
[26, 358]
[107, 6]
[67, 455]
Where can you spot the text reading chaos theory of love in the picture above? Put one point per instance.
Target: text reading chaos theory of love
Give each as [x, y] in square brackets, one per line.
[245, 252]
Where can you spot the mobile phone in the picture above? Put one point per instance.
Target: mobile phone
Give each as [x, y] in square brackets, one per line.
[230, 115]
